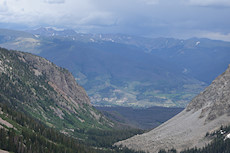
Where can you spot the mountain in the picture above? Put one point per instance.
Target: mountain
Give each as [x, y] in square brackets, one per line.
[19, 40]
[48, 93]
[51, 31]
[202, 59]
[206, 113]
[125, 70]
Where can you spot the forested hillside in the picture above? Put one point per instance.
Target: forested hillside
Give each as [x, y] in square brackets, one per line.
[23, 134]
[48, 93]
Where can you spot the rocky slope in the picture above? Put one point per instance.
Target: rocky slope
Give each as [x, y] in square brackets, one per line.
[205, 113]
[47, 92]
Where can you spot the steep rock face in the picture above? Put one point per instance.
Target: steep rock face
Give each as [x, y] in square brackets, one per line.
[205, 113]
[60, 79]
[215, 100]
[47, 92]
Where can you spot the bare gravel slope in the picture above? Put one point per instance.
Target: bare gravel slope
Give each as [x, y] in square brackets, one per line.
[205, 113]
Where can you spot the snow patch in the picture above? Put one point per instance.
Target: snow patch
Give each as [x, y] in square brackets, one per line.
[37, 36]
[57, 29]
[47, 28]
[197, 43]
[222, 132]
[92, 40]
[227, 137]
[185, 70]
[53, 28]
[111, 40]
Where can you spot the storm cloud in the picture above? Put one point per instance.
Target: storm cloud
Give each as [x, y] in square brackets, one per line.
[155, 18]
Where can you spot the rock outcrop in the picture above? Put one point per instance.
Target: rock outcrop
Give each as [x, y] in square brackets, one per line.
[205, 113]
[59, 78]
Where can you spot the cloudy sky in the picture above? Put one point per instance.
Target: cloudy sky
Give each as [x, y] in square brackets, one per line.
[154, 18]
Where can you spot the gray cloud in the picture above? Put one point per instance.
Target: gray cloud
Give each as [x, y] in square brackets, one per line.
[169, 18]
[216, 35]
[213, 3]
[54, 1]
[3, 6]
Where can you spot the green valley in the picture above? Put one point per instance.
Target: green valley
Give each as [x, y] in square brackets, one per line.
[125, 70]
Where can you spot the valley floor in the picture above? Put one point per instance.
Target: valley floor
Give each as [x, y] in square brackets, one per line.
[144, 118]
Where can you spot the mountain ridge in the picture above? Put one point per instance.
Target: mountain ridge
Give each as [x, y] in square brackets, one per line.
[48, 93]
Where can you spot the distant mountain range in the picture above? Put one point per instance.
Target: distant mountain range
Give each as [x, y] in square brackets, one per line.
[126, 70]
[203, 120]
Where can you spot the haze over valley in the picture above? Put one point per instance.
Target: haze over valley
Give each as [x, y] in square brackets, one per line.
[114, 76]
[126, 70]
